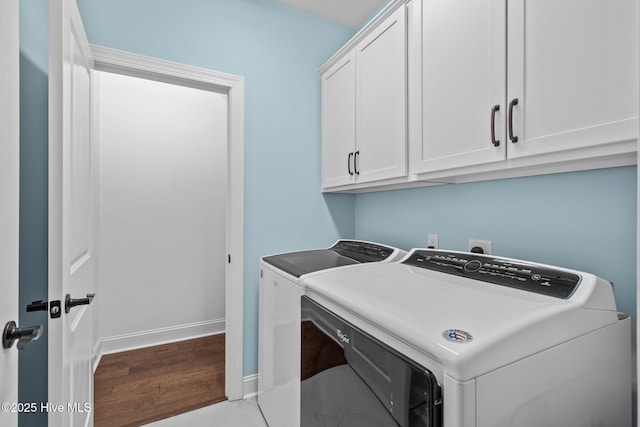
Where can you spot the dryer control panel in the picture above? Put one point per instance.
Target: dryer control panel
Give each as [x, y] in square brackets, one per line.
[362, 251]
[505, 272]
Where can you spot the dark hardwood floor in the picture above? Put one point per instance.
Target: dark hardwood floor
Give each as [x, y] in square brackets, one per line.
[140, 386]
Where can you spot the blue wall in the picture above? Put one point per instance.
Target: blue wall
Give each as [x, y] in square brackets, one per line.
[278, 50]
[582, 220]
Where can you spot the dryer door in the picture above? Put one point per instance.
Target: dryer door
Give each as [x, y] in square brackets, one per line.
[350, 376]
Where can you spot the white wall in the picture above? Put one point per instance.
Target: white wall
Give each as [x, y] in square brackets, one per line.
[162, 216]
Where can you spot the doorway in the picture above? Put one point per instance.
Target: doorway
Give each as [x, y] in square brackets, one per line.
[171, 210]
[162, 210]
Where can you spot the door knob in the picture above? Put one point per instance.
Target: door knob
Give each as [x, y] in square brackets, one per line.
[24, 336]
[69, 302]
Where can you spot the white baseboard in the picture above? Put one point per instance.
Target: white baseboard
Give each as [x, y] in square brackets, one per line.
[249, 386]
[153, 337]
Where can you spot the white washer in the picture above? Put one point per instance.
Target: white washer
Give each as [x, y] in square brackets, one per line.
[281, 278]
[510, 343]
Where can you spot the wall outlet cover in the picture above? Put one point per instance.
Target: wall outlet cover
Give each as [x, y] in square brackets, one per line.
[432, 241]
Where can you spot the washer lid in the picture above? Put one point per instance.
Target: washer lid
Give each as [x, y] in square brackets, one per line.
[303, 262]
[468, 326]
[343, 252]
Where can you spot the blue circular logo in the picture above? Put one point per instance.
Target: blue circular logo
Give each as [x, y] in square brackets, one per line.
[457, 335]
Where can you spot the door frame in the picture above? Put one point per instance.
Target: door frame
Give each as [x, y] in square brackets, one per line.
[120, 62]
[9, 201]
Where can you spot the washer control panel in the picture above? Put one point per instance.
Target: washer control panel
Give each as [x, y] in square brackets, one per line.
[362, 251]
[505, 272]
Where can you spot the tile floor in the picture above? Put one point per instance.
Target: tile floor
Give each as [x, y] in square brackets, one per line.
[243, 413]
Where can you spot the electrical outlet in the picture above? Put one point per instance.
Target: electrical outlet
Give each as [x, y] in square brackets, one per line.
[486, 245]
[432, 241]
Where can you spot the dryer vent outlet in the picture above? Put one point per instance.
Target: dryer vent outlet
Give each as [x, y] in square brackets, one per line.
[486, 246]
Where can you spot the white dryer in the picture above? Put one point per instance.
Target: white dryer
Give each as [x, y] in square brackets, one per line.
[281, 287]
[456, 339]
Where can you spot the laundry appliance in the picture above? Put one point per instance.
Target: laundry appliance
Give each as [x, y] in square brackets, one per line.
[459, 339]
[281, 287]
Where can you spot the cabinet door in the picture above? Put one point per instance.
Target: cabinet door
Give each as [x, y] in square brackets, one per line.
[573, 68]
[381, 145]
[339, 122]
[458, 74]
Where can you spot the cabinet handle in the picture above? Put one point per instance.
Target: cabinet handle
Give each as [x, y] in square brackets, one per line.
[349, 163]
[495, 109]
[355, 162]
[513, 102]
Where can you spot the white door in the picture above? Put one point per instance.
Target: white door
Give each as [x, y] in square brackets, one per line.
[573, 70]
[71, 217]
[381, 98]
[339, 123]
[461, 68]
[9, 166]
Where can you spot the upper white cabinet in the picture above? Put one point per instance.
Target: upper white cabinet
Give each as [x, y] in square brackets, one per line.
[550, 82]
[364, 122]
[339, 122]
[481, 89]
[457, 75]
[573, 67]
[381, 101]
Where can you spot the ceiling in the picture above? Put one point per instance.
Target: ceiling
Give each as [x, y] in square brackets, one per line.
[346, 12]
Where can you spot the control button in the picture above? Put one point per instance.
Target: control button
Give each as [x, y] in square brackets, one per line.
[536, 277]
[545, 284]
[472, 266]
